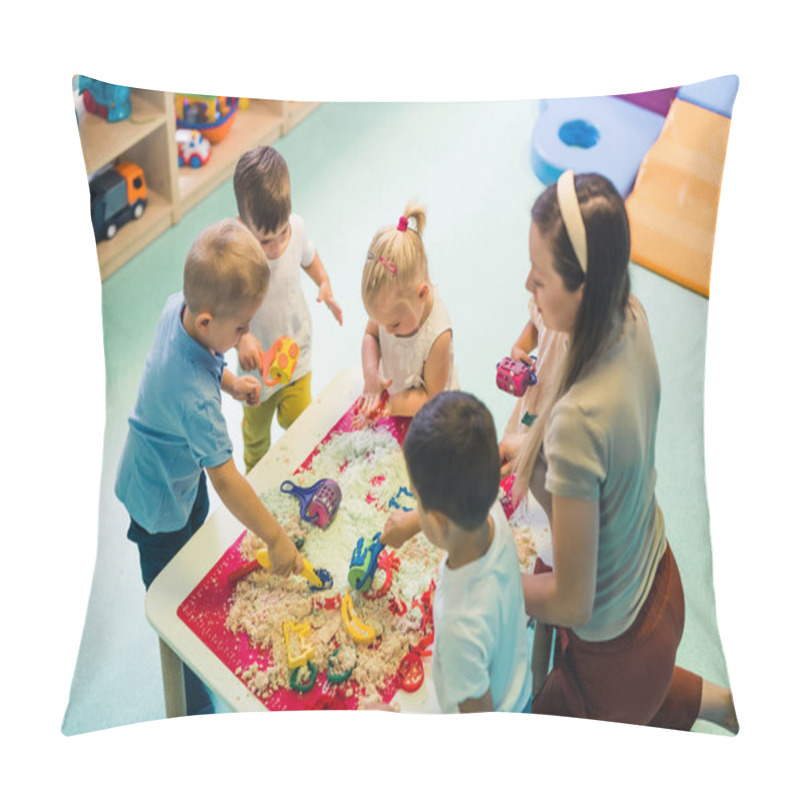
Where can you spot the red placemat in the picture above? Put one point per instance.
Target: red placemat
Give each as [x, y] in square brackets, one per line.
[205, 610]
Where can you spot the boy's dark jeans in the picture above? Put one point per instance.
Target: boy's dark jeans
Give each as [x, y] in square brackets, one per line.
[155, 552]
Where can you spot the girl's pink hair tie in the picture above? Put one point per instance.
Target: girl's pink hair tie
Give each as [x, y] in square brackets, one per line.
[403, 224]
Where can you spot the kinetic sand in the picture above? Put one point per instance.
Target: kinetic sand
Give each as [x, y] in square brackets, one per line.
[368, 466]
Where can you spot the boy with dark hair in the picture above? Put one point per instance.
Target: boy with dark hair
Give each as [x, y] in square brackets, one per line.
[480, 650]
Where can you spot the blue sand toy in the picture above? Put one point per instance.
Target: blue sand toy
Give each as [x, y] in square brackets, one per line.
[395, 501]
[364, 562]
[325, 577]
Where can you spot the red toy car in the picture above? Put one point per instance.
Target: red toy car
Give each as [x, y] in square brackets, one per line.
[194, 149]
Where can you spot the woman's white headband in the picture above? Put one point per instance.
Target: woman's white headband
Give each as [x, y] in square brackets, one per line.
[571, 214]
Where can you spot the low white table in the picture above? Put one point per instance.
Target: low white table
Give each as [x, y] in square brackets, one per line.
[179, 578]
[178, 643]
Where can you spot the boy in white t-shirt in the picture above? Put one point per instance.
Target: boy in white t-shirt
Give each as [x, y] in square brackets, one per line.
[264, 201]
[480, 649]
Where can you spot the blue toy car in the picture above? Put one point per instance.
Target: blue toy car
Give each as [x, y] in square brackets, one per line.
[107, 100]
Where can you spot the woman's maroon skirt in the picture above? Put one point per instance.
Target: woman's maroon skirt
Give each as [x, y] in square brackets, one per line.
[632, 678]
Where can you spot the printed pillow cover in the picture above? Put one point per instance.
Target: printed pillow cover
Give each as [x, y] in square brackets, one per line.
[159, 167]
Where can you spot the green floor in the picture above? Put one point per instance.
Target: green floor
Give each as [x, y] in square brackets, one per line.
[353, 167]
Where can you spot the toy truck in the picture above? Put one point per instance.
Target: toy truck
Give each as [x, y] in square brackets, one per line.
[107, 100]
[117, 195]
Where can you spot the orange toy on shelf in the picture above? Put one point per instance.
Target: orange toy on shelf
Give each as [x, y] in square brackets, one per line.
[211, 115]
[673, 205]
[278, 363]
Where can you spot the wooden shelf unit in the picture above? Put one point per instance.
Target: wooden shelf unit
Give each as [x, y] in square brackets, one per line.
[104, 142]
[147, 138]
[131, 238]
[295, 112]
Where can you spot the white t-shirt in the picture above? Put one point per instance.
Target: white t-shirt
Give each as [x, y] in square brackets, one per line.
[480, 635]
[284, 311]
[403, 357]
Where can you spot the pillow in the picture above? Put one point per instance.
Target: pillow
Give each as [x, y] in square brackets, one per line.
[663, 150]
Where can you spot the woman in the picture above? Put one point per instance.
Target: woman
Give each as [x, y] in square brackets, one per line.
[615, 592]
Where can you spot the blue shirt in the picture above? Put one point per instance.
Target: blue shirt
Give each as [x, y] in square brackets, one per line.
[176, 429]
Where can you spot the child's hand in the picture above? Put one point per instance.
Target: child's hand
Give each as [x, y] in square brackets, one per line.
[509, 448]
[249, 352]
[326, 296]
[400, 526]
[247, 389]
[518, 354]
[372, 400]
[284, 557]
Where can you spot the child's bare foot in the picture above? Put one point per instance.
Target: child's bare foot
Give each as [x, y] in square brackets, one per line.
[732, 722]
[729, 720]
[716, 705]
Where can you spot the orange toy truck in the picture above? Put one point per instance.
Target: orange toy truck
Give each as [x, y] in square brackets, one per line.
[117, 195]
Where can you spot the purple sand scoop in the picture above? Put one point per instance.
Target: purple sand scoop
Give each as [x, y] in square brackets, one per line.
[318, 503]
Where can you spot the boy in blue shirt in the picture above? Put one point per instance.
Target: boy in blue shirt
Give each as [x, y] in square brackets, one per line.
[177, 432]
[480, 648]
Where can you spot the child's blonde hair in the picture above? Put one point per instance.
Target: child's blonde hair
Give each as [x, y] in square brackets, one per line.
[396, 257]
[225, 267]
[262, 189]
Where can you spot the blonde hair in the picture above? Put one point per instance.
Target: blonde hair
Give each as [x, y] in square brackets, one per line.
[396, 258]
[225, 267]
[606, 293]
[262, 189]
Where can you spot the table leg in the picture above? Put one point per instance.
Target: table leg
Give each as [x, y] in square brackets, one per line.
[540, 658]
[172, 675]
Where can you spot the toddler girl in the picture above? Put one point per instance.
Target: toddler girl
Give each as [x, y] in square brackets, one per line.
[407, 350]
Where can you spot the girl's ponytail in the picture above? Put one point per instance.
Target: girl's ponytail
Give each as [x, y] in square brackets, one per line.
[415, 213]
[396, 257]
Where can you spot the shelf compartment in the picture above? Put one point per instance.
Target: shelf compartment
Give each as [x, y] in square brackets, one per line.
[295, 112]
[102, 141]
[133, 236]
[261, 123]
